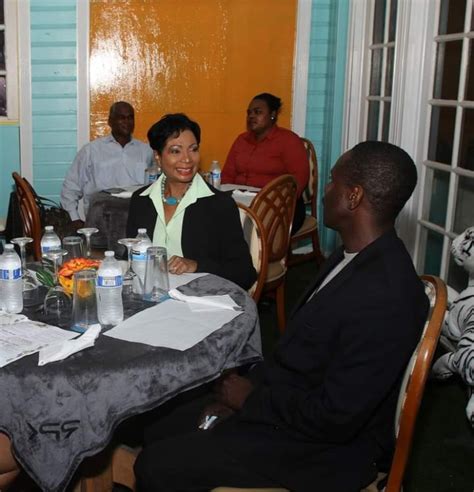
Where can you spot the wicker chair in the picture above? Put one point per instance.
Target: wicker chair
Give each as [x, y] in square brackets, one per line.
[309, 229]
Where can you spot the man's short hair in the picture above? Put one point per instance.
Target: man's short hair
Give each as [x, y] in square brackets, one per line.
[115, 105]
[386, 173]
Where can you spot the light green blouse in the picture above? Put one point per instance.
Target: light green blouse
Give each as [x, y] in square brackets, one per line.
[169, 235]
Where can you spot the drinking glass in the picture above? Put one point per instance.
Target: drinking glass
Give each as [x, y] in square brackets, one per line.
[84, 304]
[56, 302]
[156, 274]
[29, 283]
[73, 246]
[88, 231]
[129, 275]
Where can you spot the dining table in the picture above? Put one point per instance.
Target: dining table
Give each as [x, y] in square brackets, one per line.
[58, 414]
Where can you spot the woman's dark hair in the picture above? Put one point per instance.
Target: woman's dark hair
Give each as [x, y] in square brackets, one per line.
[274, 103]
[171, 125]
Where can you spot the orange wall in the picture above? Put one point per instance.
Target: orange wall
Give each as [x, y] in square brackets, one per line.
[206, 58]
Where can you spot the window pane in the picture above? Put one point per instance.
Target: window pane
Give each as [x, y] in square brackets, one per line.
[2, 17]
[376, 72]
[2, 50]
[389, 72]
[379, 21]
[392, 26]
[433, 252]
[436, 196]
[466, 150]
[470, 73]
[464, 216]
[373, 120]
[451, 16]
[3, 97]
[448, 62]
[441, 134]
[457, 276]
[386, 121]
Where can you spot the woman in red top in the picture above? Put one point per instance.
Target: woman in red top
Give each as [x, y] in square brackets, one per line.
[266, 151]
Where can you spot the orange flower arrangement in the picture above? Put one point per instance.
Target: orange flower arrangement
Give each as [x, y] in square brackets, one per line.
[68, 269]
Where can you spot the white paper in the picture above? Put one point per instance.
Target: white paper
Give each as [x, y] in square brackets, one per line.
[232, 187]
[20, 337]
[205, 303]
[244, 197]
[63, 349]
[171, 324]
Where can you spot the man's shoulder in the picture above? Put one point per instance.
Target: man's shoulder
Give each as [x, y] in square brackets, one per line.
[139, 143]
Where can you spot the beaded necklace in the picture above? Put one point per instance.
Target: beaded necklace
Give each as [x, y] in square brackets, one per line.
[171, 200]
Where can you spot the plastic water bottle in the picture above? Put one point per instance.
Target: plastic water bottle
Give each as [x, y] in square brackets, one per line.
[216, 175]
[11, 283]
[50, 240]
[152, 173]
[109, 291]
[139, 259]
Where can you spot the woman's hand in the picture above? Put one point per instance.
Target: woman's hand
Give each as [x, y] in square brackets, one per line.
[179, 265]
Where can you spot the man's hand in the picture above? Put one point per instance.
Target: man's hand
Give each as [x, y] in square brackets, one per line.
[179, 265]
[77, 224]
[233, 390]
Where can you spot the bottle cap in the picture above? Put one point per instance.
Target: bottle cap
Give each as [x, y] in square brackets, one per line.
[108, 254]
[142, 231]
[49, 228]
[8, 247]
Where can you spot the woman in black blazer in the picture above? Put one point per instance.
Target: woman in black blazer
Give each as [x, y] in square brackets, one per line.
[199, 225]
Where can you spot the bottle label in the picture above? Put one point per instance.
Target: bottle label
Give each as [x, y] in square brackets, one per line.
[109, 281]
[138, 256]
[10, 274]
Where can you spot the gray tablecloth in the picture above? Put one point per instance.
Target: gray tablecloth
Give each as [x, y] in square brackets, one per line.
[61, 413]
[109, 214]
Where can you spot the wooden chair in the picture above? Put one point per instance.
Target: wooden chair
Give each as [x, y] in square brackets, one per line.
[254, 233]
[275, 206]
[309, 229]
[30, 214]
[410, 396]
[114, 465]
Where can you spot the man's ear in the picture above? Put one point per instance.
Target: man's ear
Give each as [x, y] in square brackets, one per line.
[356, 193]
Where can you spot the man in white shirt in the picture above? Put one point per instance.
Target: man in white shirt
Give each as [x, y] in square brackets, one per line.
[112, 161]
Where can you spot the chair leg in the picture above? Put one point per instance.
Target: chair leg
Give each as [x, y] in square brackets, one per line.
[280, 305]
[97, 473]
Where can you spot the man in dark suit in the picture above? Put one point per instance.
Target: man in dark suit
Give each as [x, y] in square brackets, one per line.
[321, 416]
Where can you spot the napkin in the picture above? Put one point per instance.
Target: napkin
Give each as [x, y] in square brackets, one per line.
[127, 191]
[61, 350]
[238, 193]
[205, 303]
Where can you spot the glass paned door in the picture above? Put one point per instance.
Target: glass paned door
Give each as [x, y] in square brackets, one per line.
[448, 167]
[382, 54]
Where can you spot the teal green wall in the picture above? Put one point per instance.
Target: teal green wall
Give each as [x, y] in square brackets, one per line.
[9, 162]
[54, 92]
[325, 98]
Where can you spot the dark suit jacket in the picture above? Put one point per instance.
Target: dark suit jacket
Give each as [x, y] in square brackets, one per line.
[324, 412]
[212, 235]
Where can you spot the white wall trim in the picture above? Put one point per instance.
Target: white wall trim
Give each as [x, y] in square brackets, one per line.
[24, 55]
[83, 104]
[412, 82]
[300, 66]
[354, 109]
